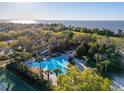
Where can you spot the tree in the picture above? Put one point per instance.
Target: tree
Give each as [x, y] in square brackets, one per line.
[82, 49]
[94, 30]
[4, 45]
[70, 60]
[88, 80]
[38, 59]
[48, 74]
[92, 51]
[68, 34]
[97, 58]
[24, 42]
[84, 30]
[20, 56]
[103, 67]
[57, 71]
[59, 27]
[120, 32]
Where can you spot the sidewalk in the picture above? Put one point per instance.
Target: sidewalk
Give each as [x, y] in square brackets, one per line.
[80, 63]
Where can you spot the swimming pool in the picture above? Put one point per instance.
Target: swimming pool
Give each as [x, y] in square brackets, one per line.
[51, 63]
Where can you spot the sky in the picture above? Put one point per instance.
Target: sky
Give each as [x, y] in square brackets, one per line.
[62, 11]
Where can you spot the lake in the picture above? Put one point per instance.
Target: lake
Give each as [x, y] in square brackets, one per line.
[112, 25]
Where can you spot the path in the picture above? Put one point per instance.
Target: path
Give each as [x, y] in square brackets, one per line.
[118, 79]
[80, 63]
[118, 82]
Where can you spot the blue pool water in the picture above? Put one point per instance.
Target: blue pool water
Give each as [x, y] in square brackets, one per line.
[51, 63]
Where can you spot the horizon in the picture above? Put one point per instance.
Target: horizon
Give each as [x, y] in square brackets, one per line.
[31, 21]
[57, 20]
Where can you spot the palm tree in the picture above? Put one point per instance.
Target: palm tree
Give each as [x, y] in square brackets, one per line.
[48, 74]
[97, 58]
[57, 71]
[71, 62]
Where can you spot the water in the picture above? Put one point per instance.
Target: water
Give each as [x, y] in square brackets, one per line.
[10, 82]
[51, 63]
[112, 25]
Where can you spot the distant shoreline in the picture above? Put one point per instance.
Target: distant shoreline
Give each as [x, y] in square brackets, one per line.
[113, 25]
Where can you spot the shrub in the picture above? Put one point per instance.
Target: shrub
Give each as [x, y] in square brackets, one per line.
[3, 57]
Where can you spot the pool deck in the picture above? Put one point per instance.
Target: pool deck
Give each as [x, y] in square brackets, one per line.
[53, 80]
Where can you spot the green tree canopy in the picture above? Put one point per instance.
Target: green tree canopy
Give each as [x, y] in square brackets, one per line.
[88, 80]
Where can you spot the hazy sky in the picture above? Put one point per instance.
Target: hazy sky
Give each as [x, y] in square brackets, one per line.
[62, 11]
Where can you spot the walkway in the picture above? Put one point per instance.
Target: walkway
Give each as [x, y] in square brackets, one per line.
[117, 82]
[80, 63]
